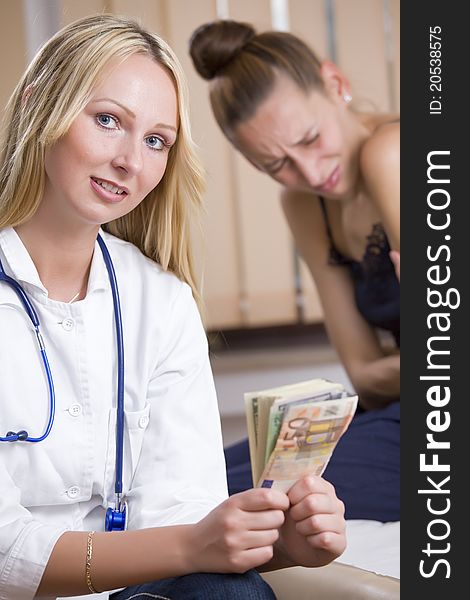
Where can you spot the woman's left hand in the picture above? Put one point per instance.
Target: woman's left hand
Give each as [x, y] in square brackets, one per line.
[313, 533]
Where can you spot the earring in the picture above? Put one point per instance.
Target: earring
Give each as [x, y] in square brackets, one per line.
[347, 97]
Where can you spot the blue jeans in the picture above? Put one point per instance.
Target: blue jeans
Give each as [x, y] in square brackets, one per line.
[201, 586]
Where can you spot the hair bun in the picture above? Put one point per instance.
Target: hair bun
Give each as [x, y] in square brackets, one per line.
[214, 45]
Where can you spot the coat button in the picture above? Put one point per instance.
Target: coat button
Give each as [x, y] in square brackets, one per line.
[68, 324]
[75, 410]
[143, 422]
[73, 491]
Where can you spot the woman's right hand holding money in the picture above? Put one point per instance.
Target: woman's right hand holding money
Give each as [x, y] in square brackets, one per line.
[240, 533]
[314, 532]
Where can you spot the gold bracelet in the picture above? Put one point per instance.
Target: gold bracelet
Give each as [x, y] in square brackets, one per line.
[89, 554]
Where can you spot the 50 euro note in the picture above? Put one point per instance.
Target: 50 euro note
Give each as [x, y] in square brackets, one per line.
[307, 438]
[281, 405]
[265, 410]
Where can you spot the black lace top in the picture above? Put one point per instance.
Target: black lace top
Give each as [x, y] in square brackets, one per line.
[377, 290]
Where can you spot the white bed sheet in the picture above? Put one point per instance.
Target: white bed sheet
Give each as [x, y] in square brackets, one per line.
[373, 546]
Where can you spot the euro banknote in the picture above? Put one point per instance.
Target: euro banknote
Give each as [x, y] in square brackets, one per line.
[294, 429]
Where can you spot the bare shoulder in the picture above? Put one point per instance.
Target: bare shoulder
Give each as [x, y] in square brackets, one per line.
[380, 170]
[381, 151]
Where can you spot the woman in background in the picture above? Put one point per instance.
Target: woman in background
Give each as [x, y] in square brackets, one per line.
[290, 115]
[98, 159]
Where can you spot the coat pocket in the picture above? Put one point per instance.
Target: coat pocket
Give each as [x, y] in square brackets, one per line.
[135, 425]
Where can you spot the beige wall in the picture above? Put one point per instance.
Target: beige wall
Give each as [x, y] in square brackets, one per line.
[12, 47]
[246, 255]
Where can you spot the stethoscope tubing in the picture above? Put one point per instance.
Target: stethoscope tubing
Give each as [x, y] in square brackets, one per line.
[30, 310]
[119, 514]
[120, 358]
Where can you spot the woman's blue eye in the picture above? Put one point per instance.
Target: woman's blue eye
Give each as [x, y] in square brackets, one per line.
[106, 121]
[155, 142]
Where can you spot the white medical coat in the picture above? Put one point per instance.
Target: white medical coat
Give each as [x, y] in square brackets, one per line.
[174, 469]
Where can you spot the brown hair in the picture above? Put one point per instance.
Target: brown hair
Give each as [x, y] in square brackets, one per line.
[243, 67]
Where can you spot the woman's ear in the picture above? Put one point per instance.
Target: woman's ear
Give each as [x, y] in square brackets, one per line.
[336, 84]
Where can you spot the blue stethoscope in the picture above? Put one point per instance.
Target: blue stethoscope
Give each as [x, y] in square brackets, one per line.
[116, 519]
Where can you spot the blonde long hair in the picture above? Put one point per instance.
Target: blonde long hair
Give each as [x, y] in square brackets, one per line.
[52, 92]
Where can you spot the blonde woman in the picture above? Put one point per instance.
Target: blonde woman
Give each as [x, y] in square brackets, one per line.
[111, 464]
[291, 116]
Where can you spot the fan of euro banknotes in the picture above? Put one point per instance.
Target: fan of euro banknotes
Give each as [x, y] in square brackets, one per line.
[293, 429]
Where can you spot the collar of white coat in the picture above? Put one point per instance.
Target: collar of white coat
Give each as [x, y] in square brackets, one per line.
[18, 264]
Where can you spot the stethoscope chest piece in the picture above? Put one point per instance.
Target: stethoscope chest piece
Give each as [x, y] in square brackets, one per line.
[116, 518]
